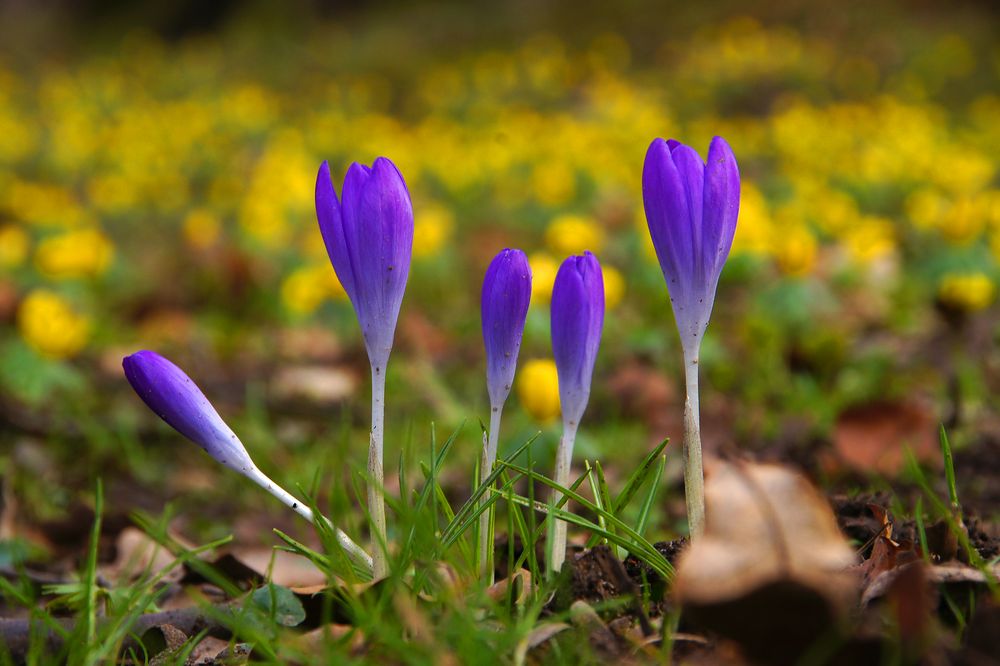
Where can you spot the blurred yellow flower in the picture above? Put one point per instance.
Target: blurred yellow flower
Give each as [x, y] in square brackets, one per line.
[925, 207]
[554, 182]
[201, 229]
[872, 238]
[964, 221]
[79, 253]
[14, 244]
[969, 291]
[543, 277]
[753, 230]
[572, 234]
[795, 251]
[50, 326]
[305, 289]
[431, 230]
[538, 389]
[614, 286]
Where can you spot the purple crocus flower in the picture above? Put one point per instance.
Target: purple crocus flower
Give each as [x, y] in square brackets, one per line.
[172, 396]
[691, 208]
[506, 294]
[577, 319]
[369, 237]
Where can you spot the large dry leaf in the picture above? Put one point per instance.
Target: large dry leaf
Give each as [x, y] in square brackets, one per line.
[772, 570]
[874, 437]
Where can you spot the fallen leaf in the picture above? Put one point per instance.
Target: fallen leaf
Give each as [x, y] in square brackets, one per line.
[772, 570]
[873, 437]
[320, 385]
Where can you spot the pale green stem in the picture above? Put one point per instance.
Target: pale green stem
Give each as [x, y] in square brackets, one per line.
[289, 500]
[694, 475]
[490, 444]
[376, 477]
[564, 459]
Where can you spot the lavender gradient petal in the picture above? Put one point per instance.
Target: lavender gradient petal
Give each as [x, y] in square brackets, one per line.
[504, 308]
[722, 203]
[331, 227]
[371, 247]
[172, 396]
[691, 208]
[577, 320]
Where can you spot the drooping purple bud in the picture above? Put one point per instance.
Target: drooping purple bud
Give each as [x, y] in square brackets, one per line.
[369, 237]
[691, 208]
[506, 294]
[177, 400]
[577, 319]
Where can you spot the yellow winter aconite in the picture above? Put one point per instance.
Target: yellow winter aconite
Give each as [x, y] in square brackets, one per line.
[538, 389]
[543, 277]
[308, 287]
[14, 243]
[201, 229]
[573, 234]
[614, 287]
[78, 253]
[968, 292]
[50, 326]
[431, 230]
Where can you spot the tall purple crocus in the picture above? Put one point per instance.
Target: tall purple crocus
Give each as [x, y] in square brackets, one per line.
[577, 319]
[172, 396]
[505, 299]
[691, 207]
[369, 237]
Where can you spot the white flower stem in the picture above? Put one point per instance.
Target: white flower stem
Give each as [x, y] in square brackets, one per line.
[694, 475]
[289, 500]
[564, 458]
[376, 477]
[490, 444]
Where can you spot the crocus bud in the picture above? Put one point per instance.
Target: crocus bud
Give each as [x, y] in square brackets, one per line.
[506, 294]
[691, 208]
[369, 237]
[577, 318]
[177, 400]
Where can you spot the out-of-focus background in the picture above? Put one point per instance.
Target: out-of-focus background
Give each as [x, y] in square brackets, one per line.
[157, 165]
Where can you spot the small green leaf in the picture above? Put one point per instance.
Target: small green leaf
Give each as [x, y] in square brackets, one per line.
[279, 602]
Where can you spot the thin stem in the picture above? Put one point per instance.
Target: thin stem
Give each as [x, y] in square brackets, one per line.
[376, 477]
[289, 500]
[694, 476]
[564, 458]
[490, 445]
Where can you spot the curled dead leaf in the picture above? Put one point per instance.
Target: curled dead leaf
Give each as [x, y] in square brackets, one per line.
[772, 570]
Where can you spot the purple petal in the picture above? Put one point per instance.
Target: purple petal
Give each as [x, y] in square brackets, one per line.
[577, 320]
[504, 307]
[177, 400]
[371, 246]
[332, 229]
[691, 209]
[722, 205]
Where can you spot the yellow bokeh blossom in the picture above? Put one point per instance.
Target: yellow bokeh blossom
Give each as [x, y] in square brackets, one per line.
[964, 221]
[554, 182]
[543, 277]
[967, 291]
[78, 253]
[431, 230]
[538, 389]
[753, 230]
[614, 287]
[572, 234]
[871, 239]
[201, 229]
[14, 243]
[50, 326]
[305, 289]
[795, 250]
